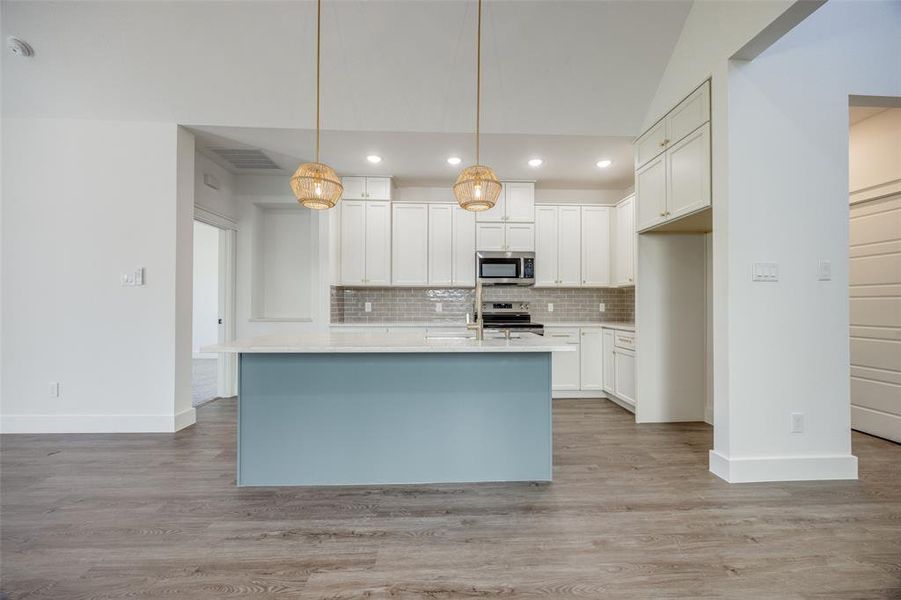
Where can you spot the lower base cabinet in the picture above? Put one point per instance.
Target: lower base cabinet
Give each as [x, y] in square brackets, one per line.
[565, 366]
[624, 375]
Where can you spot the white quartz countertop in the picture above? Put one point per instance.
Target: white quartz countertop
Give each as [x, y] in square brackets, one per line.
[451, 324]
[348, 342]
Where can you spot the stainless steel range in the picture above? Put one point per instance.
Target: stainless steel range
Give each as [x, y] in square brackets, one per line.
[510, 316]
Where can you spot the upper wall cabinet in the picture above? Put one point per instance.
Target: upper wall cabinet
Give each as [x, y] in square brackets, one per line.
[596, 246]
[365, 243]
[452, 245]
[514, 237]
[516, 204]
[366, 188]
[410, 244]
[557, 246]
[623, 261]
[672, 160]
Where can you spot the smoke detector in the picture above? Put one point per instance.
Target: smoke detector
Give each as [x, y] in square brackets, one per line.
[19, 48]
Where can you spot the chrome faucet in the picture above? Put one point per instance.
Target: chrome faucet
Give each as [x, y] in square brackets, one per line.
[478, 325]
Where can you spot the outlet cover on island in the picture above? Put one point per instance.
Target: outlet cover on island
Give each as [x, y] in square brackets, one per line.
[602, 307]
[53, 390]
[797, 422]
[438, 307]
[367, 307]
[550, 307]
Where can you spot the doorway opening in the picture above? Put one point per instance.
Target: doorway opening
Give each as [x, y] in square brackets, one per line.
[212, 374]
[875, 268]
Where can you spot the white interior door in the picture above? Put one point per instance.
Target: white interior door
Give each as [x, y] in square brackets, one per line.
[569, 261]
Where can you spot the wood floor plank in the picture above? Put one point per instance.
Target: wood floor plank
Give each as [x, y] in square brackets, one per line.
[632, 513]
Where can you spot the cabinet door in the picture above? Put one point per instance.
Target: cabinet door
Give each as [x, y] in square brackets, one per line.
[596, 246]
[441, 244]
[464, 252]
[565, 365]
[378, 188]
[609, 377]
[688, 174]
[650, 193]
[410, 244]
[520, 237]
[624, 375]
[496, 214]
[651, 144]
[592, 359]
[688, 115]
[624, 243]
[354, 188]
[520, 202]
[378, 243]
[546, 243]
[490, 236]
[569, 253]
[353, 242]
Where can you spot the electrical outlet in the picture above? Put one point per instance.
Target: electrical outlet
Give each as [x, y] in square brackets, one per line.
[53, 389]
[602, 307]
[438, 307]
[133, 279]
[550, 307]
[797, 422]
[367, 307]
[824, 270]
[765, 272]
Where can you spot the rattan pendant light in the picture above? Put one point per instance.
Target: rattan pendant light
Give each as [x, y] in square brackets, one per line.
[477, 187]
[316, 185]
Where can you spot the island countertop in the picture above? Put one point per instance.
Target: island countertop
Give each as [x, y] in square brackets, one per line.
[336, 342]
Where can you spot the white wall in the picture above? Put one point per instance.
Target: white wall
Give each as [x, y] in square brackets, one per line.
[302, 264]
[787, 198]
[205, 327]
[114, 350]
[875, 155]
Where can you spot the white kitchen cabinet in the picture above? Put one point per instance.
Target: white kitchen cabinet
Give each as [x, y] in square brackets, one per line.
[378, 243]
[464, 247]
[520, 202]
[366, 188]
[441, 244]
[365, 243]
[596, 246]
[591, 357]
[608, 362]
[410, 244]
[688, 174]
[650, 193]
[624, 375]
[672, 163]
[624, 243]
[565, 366]
[516, 237]
[516, 204]
[557, 246]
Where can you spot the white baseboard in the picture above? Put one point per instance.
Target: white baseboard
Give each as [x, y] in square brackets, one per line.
[783, 468]
[876, 422]
[96, 423]
[578, 394]
[708, 415]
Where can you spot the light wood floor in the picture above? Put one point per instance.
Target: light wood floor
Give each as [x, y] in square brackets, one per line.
[633, 513]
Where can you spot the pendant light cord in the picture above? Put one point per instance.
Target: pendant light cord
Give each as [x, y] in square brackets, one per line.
[478, 78]
[318, 43]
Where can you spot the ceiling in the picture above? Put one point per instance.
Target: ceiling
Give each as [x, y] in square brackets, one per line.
[556, 73]
[421, 158]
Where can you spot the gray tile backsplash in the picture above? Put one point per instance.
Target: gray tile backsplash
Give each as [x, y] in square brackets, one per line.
[418, 304]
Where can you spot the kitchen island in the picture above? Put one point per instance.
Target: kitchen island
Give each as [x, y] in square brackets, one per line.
[338, 408]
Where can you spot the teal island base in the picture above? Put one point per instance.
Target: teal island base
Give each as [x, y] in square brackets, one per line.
[310, 419]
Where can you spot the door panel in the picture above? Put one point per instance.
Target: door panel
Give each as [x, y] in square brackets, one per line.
[569, 263]
[650, 193]
[464, 253]
[688, 168]
[496, 214]
[353, 242]
[354, 188]
[651, 144]
[490, 236]
[410, 241]
[441, 244]
[564, 365]
[609, 378]
[520, 237]
[546, 243]
[378, 243]
[378, 188]
[520, 202]
[592, 359]
[690, 114]
[596, 246]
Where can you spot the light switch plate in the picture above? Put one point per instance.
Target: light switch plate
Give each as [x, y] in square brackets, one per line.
[765, 272]
[53, 389]
[824, 270]
[797, 423]
[550, 307]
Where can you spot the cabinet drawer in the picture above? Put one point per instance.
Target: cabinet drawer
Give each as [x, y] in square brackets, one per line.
[565, 335]
[624, 339]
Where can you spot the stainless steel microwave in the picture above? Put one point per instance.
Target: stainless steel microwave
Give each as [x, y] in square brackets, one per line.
[505, 268]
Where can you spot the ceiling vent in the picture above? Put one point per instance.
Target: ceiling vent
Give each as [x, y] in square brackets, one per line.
[244, 158]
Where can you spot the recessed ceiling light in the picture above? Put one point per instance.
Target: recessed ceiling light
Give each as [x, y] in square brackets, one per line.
[535, 162]
[604, 163]
[454, 160]
[374, 159]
